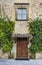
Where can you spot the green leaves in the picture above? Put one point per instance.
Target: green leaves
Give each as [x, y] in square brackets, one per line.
[36, 32]
[6, 48]
[1, 34]
[6, 30]
[35, 26]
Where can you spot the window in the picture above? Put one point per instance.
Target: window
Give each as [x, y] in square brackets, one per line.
[21, 14]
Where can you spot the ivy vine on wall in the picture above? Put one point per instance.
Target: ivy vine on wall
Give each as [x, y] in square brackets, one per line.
[36, 32]
[6, 30]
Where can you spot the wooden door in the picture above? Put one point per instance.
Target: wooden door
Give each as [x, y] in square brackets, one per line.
[22, 48]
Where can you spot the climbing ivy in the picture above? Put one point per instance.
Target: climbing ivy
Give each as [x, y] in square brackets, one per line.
[36, 32]
[6, 30]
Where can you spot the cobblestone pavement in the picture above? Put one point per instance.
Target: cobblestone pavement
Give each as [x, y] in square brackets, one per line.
[20, 62]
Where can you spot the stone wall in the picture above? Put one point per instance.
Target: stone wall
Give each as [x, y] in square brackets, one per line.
[35, 10]
[39, 55]
[8, 9]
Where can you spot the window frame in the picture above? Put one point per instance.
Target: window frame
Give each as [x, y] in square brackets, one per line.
[21, 19]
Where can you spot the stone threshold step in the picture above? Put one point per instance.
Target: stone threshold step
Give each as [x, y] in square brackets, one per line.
[21, 59]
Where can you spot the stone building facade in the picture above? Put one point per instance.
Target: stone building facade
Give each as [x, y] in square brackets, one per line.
[14, 9]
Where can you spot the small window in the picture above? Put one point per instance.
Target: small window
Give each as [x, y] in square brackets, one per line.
[21, 14]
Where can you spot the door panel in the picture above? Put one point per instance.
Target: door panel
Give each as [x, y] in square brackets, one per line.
[22, 49]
